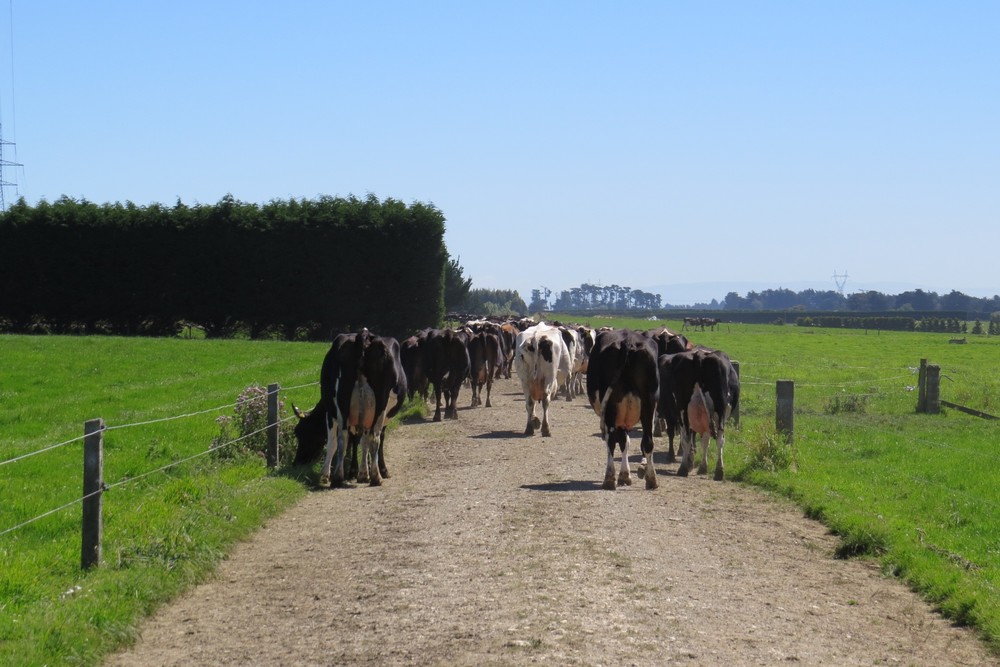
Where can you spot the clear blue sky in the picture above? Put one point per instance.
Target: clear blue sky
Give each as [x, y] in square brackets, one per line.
[646, 144]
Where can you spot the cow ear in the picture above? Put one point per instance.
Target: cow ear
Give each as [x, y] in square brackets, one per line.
[298, 413]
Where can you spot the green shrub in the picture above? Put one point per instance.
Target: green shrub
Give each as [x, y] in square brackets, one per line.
[245, 433]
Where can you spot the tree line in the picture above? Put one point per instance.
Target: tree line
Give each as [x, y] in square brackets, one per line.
[298, 269]
[596, 297]
[870, 301]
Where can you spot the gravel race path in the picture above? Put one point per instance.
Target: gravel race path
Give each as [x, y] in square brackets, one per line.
[489, 548]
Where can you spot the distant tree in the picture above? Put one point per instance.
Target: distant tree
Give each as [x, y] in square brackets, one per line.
[494, 302]
[956, 301]
[919, 299]
[456, 286]
[539, 300]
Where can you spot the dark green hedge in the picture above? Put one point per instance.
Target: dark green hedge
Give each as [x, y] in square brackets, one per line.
[297, 268]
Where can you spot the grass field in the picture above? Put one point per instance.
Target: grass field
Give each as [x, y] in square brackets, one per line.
[162, 531]
[917, 492]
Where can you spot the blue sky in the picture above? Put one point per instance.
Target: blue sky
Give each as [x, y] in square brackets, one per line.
[688, 148]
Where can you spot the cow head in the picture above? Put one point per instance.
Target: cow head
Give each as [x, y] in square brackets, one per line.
[310, 432]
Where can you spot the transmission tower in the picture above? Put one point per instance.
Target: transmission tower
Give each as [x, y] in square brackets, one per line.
[841, 280]
[4, 183]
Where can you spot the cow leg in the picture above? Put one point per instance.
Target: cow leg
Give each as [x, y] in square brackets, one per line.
[331, 448]
[647, 451]
[489, 390]
[671, 457]
[381, 455]
[529, 405]
[351, 468]
[335, 445]
[609, 470]
[369, 460]
[546, 432]
[625, 472]
[703, 466]
[437, 403]
[687, 455]
[720, 441]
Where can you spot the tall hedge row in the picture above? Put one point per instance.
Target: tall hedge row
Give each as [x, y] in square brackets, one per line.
[296, 268]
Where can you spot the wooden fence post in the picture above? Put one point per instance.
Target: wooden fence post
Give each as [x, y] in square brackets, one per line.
[93, 495]
[933, 393]
[272, 425]
[921, 387]
[784, 413]
[736, 410]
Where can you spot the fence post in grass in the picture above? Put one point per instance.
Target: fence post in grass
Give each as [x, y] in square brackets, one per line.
[785, 409]
[933, 394]
[736, 410]
[272, 425]
[921, 387]
[93, 493]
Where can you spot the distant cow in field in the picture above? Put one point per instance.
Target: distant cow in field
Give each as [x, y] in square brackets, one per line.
[623, 388]
[542, 363]
[359, 373]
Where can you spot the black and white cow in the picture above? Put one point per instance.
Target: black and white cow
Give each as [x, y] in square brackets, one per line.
[359, 373]
[543, 365]
[699, 389]
[623, 388]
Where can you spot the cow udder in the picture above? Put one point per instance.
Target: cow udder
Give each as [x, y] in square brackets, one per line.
[362, 415]
[627, 411]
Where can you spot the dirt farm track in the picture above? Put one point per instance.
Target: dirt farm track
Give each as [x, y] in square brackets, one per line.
[489, 548]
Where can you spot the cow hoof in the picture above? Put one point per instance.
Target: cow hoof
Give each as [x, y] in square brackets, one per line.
[703, 469]
[530, 430]
[651, 483]
[546, 433]
[384, 473]
[376, 481]
[682, 471]
[719, 474]
[488, 404]
[625, 480]
[535, 422]
[609, 482]
[437, 416]
[641, 470]
[324, 481]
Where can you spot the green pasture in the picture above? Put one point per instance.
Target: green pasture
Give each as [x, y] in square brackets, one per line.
[162, 531]
[917, 492]
[921, 493]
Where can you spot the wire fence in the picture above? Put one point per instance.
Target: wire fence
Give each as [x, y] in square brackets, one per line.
[887, 380]
[133, 478]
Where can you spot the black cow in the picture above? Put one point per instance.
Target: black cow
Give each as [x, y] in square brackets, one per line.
[446, 362]
[623, 388]
[699, 389]
[667, 342]
[411, 354]
[484, 354]
[359, 373]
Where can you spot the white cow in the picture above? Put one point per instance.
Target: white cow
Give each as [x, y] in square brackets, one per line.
[543, 364]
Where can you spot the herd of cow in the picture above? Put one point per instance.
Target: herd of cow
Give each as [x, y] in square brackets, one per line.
[655, 379]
